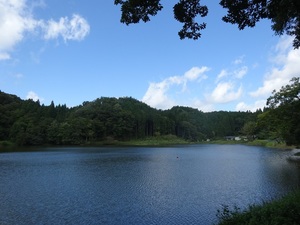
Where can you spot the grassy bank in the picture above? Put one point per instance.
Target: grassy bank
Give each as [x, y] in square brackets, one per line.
[6, 144]
[285, 211]
[263, 143]
[158, 141]
[163, 140]
[271, 144]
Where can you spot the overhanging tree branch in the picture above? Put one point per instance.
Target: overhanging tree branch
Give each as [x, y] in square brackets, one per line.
[284, 15]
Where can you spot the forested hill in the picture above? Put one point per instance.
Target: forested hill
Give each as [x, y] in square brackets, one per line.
[26, 122]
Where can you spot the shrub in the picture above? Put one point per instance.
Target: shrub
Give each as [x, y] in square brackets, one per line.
[285, 211]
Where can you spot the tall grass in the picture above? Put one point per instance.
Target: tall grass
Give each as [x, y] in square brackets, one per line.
[285, 211]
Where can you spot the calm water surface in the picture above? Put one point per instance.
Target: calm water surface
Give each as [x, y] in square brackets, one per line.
[170, 185]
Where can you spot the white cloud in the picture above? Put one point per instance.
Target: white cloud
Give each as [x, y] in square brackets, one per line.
[202, 105]
[239, 60]
[4, 56]
[158, 95]
[12, 25]
[242, 106]
[195, 73]
[16, 19]
[75, 29]
[233, 74]
[222, 74]
[241, 72]
[286, 64]
[32, 95]
[225, 92]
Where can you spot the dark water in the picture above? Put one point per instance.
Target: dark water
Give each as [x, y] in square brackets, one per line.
[174, 185]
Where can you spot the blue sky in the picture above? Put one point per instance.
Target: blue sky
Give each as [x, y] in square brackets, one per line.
[73, 51]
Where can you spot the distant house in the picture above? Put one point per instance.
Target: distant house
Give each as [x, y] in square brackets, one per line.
[230, 138]
[237, 138]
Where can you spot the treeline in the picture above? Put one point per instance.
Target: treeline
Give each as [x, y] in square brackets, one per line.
[27, 122]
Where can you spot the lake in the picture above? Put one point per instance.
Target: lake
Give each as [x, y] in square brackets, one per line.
[140, 185]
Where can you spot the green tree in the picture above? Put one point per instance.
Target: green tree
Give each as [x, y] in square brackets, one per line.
[284, 112]
[53, 133]
[18, 132]
[249, 129]
[284, 14]
[287, 95]
[9, 105]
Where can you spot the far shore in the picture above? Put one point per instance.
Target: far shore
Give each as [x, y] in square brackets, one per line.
[161, 141]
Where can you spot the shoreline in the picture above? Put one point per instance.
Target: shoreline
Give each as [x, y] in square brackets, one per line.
[162, 141]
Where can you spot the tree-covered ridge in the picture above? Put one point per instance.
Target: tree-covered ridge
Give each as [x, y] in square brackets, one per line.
[26, 122]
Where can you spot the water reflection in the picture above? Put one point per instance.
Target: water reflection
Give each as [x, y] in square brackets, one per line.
[180, 185]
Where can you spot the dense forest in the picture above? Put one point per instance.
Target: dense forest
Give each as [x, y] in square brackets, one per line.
[26, 122]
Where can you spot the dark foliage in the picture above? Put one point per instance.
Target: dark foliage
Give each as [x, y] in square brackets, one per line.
[26, 122]
[186, 11]
[283, 211]
[135, 10]
[284, 14]
[283, 114]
